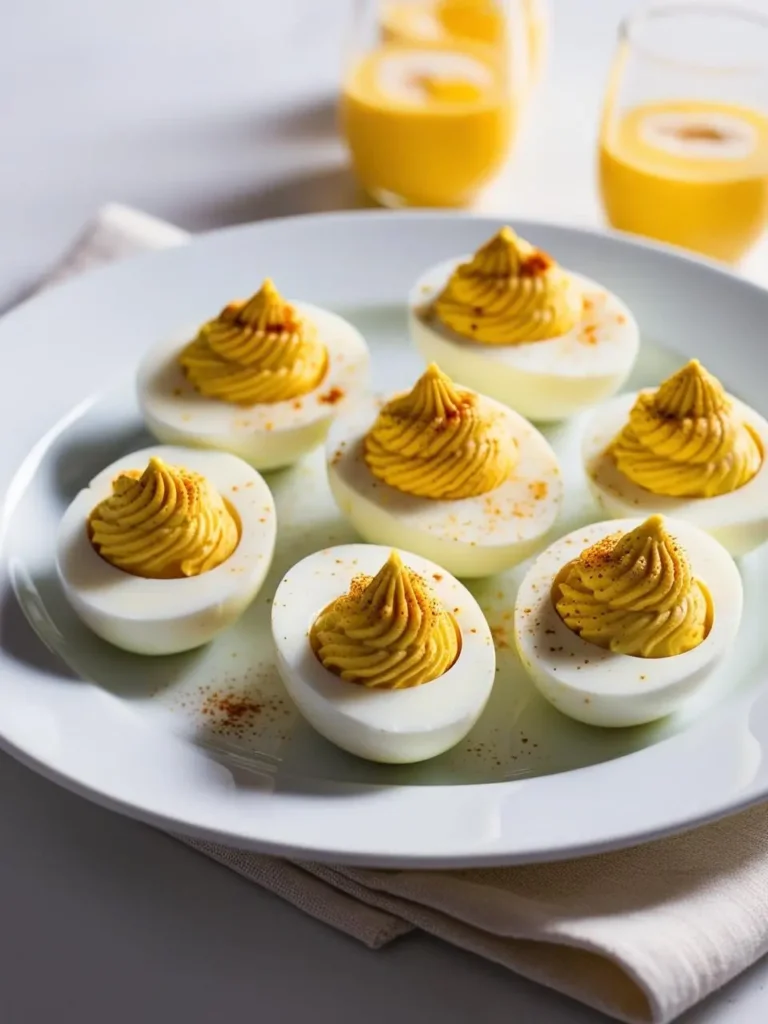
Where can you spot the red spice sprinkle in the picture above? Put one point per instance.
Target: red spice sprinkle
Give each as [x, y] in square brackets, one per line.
[537, 263]
[331, 397]
[436, 576]
[500, 637]
[700, 133]
[230, 707]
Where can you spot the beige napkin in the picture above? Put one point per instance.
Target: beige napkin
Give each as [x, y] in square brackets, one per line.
[641, 935]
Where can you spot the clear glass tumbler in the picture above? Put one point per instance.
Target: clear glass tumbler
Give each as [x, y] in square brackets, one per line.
[431, 95]
[684, 139]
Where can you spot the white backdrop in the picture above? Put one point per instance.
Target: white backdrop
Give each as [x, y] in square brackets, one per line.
[210, 113]
[213, 113]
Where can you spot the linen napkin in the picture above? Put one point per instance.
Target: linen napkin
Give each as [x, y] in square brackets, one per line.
[642, 934]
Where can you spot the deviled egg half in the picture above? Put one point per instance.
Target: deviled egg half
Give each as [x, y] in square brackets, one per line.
[166, 547]
[686, 449]
[619, 622]
[450, 474]
[383, 652]
[263, 380]
[511, 323]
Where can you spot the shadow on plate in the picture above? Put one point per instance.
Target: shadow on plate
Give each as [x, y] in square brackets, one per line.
[80, 456]
[24, 644]
[69, 650]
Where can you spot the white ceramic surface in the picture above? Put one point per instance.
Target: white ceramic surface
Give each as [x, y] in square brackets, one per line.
[152, 743]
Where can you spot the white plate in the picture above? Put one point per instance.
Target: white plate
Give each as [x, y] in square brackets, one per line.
[528, 784]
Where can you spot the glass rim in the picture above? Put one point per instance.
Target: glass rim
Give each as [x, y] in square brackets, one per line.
[658, 10]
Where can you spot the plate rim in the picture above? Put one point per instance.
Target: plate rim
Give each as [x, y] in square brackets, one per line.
[438, 859]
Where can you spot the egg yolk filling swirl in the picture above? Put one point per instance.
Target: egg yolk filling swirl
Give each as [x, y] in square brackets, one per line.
[685, 440]
[509, 293]
[256, 352]
[439, 442]
[164, 523]
[388, 632]
[635, 594]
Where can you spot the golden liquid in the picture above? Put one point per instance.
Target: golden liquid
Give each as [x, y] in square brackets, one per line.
[715, 204]
[441, 145]
[450, 21]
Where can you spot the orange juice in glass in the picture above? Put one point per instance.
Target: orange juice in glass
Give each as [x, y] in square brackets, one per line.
[684, 140]
[429, 118]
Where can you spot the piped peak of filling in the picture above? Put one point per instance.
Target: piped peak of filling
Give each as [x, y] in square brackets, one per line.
[509, 293]
[258, 351]
[635, 594]
[388, 632]
[686, 440]
[163, 523]
[438, 441]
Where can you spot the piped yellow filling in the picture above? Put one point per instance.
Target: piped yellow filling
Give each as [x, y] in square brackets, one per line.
[685, 440]
[164, 523]
[439, 442]
[256, 352]
[388, 632]
[509, 293]
[635, 594]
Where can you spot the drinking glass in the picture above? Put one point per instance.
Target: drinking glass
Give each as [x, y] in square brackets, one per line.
[684, 137]
[432, 92]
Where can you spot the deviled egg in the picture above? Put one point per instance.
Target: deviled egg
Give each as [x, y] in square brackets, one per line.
[619, 622]
[511, 323]
[450, 474]
[166, 547]
[263, 380]
[384, 653]
[686, 449]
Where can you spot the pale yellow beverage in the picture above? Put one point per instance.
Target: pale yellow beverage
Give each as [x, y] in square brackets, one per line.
[690, 172]
[409, 22]
[428, 125]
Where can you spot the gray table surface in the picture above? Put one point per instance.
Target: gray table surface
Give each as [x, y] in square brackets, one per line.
[210, 114]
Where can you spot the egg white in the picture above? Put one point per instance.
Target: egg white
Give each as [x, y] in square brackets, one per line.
[390, 726]
[599, 687]
[546, 380]
[269, 435]
[470, 537]
[739, 520]
[149, 616]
